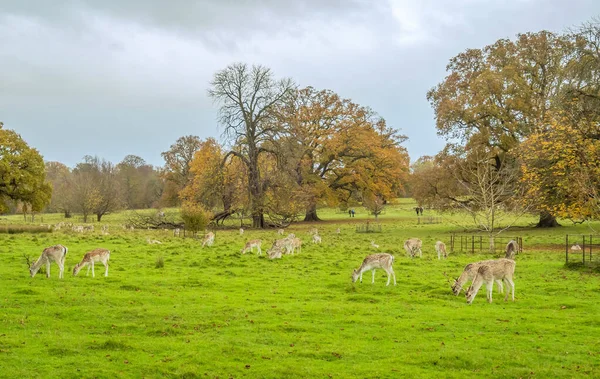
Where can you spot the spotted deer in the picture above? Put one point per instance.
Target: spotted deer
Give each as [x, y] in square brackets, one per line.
[374, 245]
[94, 256]
[469, 273]
[440, 248]
[316, 238]
[250, 245]
[374, 261]
[413, 247]
[209, 239]
[500, 269]
[56, 253]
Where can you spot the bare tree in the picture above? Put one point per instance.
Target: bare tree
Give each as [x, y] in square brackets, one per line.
[490, 191]
[247, 97]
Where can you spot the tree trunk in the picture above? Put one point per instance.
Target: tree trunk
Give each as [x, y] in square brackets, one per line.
[311, 213]
[99, 216]
[67, 214]
[258, 221]
[85, 217]
[547, 220]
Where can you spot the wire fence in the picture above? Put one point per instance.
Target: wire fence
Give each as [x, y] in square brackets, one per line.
[471, 243]
[582, 248]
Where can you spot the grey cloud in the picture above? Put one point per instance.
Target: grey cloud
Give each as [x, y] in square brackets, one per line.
[112, 77]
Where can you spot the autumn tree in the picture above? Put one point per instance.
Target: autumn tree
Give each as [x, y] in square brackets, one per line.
[497, 96]
[96, 187]
[217, 181]
[86, 194]
[177, 167]
[61, 179]
[247, 97]
[140, 184]
[22, 173]
[562, 168]
[335, 148]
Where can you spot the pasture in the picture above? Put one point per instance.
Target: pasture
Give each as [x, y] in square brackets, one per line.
[213, 312]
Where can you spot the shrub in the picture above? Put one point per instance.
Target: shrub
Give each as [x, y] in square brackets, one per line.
[194, 216]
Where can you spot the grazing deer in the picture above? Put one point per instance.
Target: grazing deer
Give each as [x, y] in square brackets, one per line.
[55, 253]
[78, 228]
[250, 245]
[373, 262]
[209, 239]
[338, 231]
[241, 231]
[153, 242]
[413, 246]
[96, 255]
[280, 232]
[469, 273]
[500, 269]
[284, 243]
[440, 248]
[314, 231]
[511, 249]
[176, 232]
[316, 238]
[374, 245]
[296, 243]
[274, 252]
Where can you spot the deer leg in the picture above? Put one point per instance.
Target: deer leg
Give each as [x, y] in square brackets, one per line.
[490, 289]
[500, 285]
[88, 270]
[511, 288]
[93, 274]
[105, 268]
[47, 268]
[373, 281]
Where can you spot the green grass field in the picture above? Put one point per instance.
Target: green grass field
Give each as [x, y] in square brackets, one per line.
[213, 312]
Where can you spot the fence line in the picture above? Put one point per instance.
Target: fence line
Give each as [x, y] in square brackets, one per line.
[583, 245]
[472, 243]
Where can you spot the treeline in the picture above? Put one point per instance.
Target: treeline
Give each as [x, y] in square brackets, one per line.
[287, 151]
[522, 120]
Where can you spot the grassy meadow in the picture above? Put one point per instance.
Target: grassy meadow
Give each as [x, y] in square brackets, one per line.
[212, 312]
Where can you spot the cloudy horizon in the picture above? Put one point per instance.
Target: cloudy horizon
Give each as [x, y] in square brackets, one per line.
[112, 78]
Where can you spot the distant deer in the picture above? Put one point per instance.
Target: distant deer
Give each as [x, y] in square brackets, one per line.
[250, 245]
[440, 248]
[373, 262]
[338, 231]
[241, 231]
[280, 231]
[316, 238]
[413, 247]
[56, 253]
[209, 239]
[500, 269]
[511, 249]
[274, 252]
[374, 245]
[96, 255]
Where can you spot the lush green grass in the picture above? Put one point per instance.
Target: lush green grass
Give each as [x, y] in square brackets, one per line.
[213, 312]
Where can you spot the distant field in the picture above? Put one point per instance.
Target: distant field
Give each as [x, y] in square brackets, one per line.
[213, 312]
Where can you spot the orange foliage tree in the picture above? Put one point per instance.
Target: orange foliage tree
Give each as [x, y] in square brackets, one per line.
[335, 148]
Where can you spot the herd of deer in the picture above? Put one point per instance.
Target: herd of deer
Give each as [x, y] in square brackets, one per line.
[488, 271]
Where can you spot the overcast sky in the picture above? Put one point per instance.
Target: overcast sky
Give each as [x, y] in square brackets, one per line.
[118, 77]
